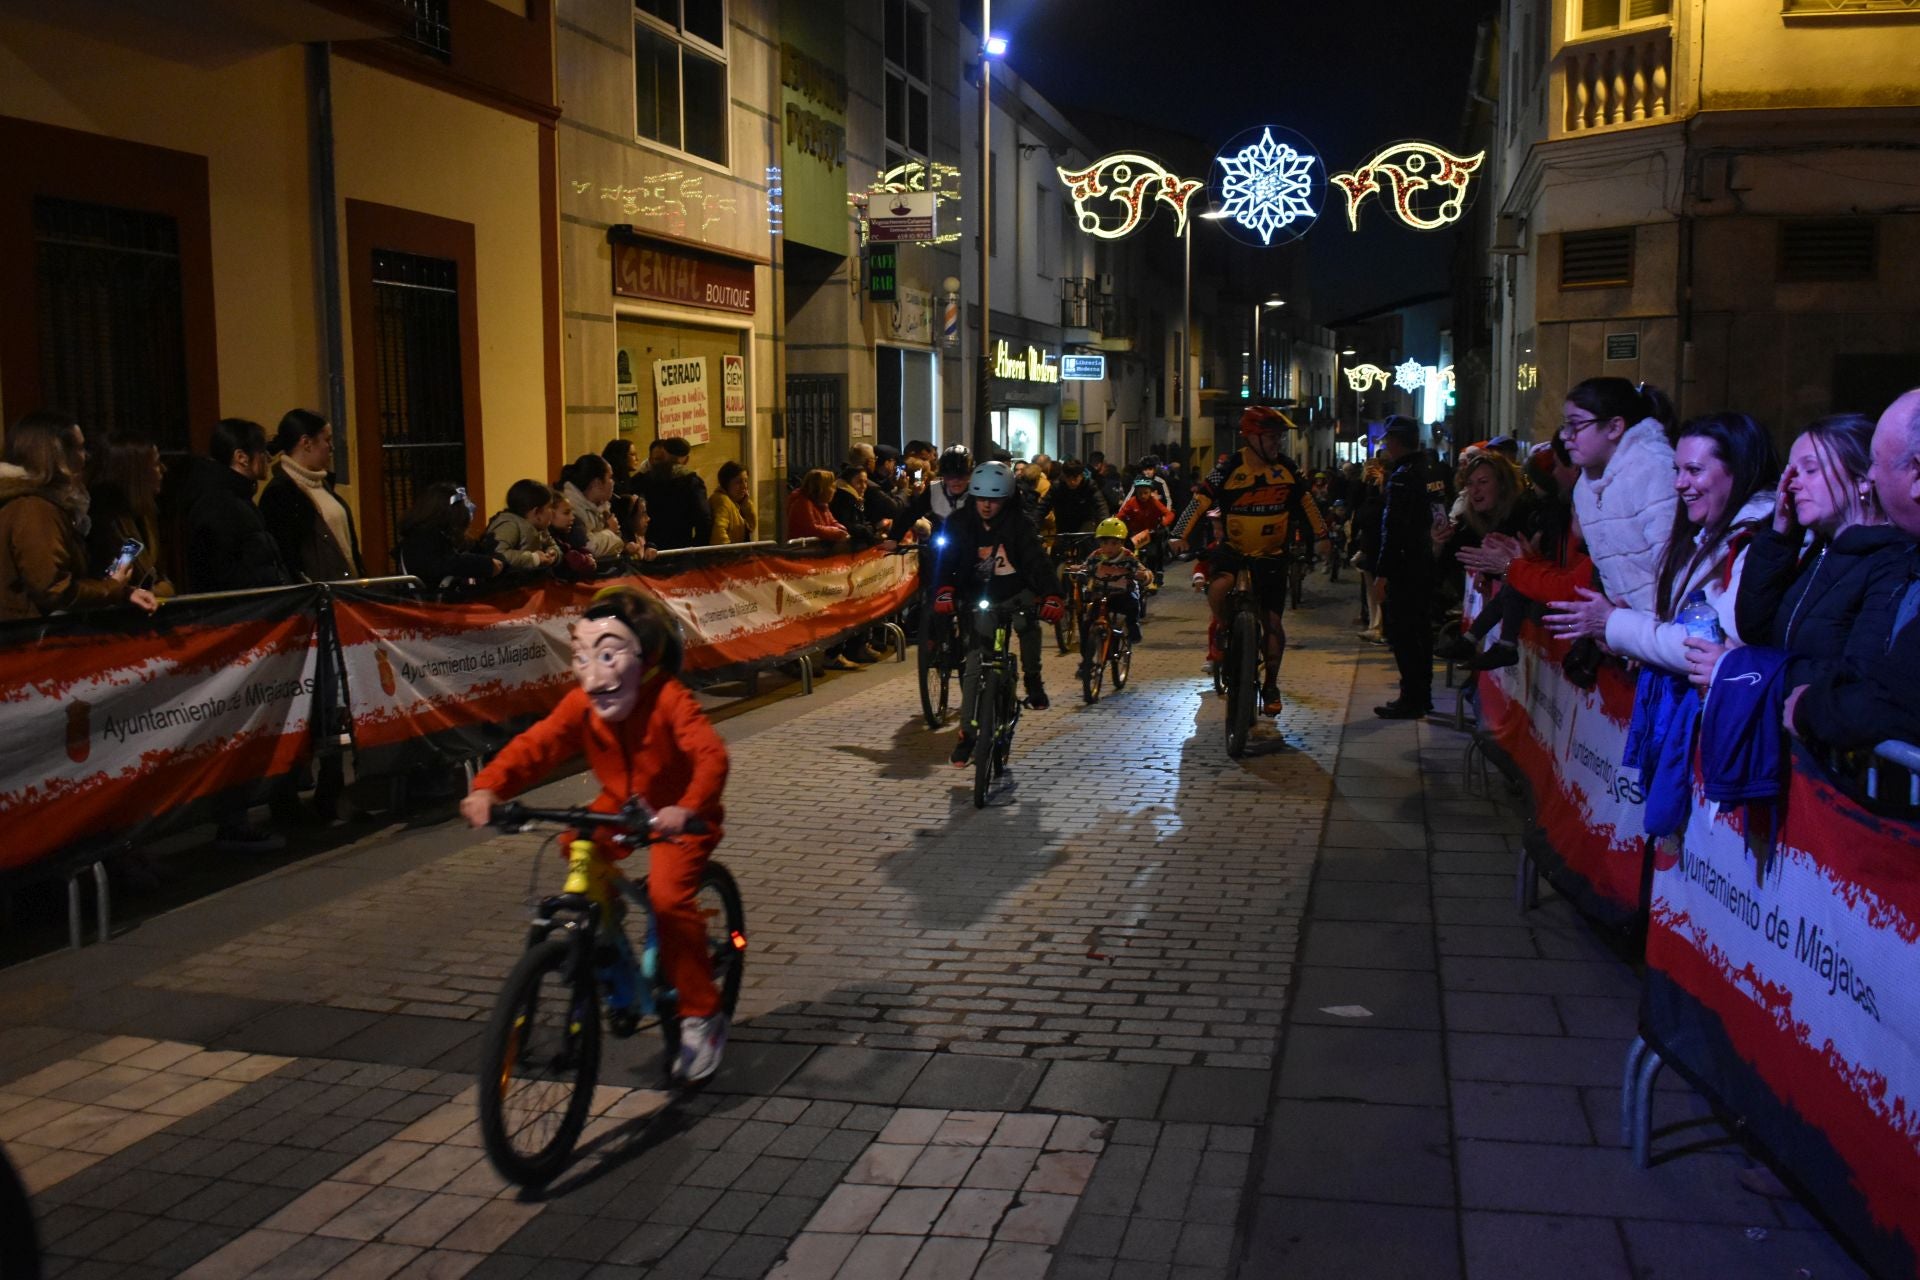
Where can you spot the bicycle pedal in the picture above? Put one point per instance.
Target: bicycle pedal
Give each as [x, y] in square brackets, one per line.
[623, 1023]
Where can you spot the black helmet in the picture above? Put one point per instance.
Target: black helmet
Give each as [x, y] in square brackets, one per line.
[956, 461]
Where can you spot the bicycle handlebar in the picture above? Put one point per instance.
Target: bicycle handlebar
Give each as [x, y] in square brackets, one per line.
[635, 818]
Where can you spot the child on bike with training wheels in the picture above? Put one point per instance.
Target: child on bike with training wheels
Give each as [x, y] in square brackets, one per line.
[1116, 574]
[644, 735]
[992, 538]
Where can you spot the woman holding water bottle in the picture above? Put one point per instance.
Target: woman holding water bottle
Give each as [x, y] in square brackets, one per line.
[1724, 473]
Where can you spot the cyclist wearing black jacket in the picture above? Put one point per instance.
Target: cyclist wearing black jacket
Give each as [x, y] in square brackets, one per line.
[1074, 501]
[993, 549]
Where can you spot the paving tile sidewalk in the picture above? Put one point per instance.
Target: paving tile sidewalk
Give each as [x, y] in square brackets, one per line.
[1447, 1103]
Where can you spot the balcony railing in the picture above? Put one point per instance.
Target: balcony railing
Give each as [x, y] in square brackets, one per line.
[1617, 80]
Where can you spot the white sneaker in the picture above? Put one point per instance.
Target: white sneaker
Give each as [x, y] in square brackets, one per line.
[701, 1042]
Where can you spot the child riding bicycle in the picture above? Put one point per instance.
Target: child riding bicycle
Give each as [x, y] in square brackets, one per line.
[644, 735]
[991, 538]
[1116, 575]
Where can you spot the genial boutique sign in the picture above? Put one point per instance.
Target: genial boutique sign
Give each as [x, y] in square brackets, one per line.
[659, 271]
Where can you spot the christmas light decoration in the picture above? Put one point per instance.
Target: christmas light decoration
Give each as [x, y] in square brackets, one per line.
[915, 175]
[1361, 377]
[1410, 376]
[1410, 168]
[1269, 186]
[1133, 182]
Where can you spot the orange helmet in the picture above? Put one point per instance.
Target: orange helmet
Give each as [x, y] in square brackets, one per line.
[1260, 420]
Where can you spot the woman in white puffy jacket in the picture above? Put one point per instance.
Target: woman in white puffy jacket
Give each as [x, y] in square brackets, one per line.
[1616, 433]
[1722, 479]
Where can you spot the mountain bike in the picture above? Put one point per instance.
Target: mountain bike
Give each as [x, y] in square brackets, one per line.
[1239, 672]
[592, 948]
[1070, 549]
[1113, 650]
[996, 707]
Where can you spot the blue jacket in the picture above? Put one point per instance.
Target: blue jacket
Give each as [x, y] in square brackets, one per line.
[1743, 746]
[1660, 745]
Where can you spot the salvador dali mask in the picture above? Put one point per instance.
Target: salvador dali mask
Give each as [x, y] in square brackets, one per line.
[607, 663]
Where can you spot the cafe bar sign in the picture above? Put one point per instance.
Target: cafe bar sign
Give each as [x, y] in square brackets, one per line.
[662, 271]
[1030, 365]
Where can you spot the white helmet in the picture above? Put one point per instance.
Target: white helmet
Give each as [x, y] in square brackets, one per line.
[991, 480]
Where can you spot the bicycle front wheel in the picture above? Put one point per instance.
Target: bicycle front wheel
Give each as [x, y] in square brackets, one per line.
[1122, 662]
[1242, 660]
[1096, 668]
[539, 1062]
[986, 713]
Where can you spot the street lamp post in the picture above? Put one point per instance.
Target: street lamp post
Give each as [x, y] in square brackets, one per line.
[991, 47]
[1259, 361]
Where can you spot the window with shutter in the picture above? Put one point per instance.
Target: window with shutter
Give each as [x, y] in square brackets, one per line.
[1828, 249]
[1596, 259]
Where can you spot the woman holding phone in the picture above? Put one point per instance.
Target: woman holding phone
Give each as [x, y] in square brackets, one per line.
[124, 478]
[44, 521]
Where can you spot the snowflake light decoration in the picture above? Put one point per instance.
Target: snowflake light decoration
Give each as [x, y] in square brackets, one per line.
[1411, 376]
[1267, 186]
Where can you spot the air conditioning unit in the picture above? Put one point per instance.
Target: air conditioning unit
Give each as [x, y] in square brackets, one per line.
[1509, 237]
[1106, 283]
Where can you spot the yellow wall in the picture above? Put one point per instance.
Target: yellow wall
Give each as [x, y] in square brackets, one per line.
[1753, 57]
[249, 119]
[400, 143]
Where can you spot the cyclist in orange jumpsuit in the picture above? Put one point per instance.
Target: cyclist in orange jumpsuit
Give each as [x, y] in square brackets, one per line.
[1260, 494]
[644, 735]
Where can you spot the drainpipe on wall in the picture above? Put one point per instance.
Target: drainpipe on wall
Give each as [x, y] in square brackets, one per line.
[326, 223]
[777, 308]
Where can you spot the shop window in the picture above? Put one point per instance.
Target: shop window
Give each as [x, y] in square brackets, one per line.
[416, 302]
[111, 325]
[906, 62]
[680, 75]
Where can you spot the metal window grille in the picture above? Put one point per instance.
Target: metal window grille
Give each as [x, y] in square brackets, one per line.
[111, 322]
[423, 431]
[816, 427]
[430, 31]
[1591, 259]
[1828, 249]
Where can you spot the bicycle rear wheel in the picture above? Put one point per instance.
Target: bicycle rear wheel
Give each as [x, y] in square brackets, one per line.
[1242, 661]
[986, 715]
[539, 1062]
[725, 921]
[935, 676]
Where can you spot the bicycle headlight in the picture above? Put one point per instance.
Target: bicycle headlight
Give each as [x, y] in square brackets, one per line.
[940, 540]
[986, 604]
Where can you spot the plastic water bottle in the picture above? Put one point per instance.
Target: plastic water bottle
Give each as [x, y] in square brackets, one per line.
[1700, 620]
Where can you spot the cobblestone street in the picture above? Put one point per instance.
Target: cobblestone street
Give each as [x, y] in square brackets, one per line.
[1152, 1013]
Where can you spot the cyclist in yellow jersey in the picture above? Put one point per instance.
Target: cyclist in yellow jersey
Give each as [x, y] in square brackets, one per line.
[1260, 496]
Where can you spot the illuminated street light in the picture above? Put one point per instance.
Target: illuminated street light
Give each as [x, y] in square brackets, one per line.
[996, 46]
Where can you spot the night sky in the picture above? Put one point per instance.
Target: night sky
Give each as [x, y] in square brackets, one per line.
[1352, 75]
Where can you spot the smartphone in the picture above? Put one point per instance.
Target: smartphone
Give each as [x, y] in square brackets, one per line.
[129, 549]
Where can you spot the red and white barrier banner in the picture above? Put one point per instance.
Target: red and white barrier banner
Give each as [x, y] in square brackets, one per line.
[417, 669]
[1568, 744]
[112, 731]
[1782, 984]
